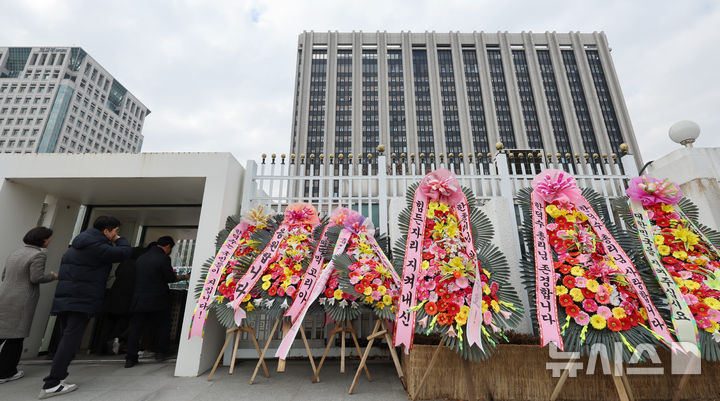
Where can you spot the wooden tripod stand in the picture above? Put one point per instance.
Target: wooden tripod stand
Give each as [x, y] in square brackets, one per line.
[342, 329]
[228, 335]
[281, 362]
[371, 339]
[622, 385]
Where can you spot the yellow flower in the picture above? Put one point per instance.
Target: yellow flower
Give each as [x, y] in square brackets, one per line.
[592, 285]
[679, 281]
[643, 313]
[580, 215]
[713, 327]
[368, 291]
[712, 302]
[598, 322]
[250, 307]
[619, 312]
[380, 305]
[560, 290]
[664, 250]
[387, 299]
[425, 265]
[495, 305]
[338, 294]
[265, 285]
[570, 218]
[609, 288]
[484, 306]
[382, 289]
[577, 271]
[659, 240]
[577, 295]
[682, 255]
[687, 236]
[553, 211]
[692, 285]
[668, 208]
[460, 319]
[442, 207]
[369, 300]
[486, 289]
[266, 277]
[464, 311]
[487, 273]
[247, 298]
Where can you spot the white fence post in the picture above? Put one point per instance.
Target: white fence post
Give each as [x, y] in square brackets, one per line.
[383, 200]
[249, 186]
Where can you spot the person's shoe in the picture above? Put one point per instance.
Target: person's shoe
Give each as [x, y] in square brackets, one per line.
[115, 346]
[129, 363]
[60, 389]
[16, 376]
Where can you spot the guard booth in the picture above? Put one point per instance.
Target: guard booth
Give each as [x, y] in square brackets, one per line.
[185, 195]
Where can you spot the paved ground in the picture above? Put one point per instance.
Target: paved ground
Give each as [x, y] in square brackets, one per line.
[155, 381]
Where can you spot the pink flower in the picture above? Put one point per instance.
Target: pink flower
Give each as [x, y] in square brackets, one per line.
[690, 299]
[714, 315]
[487, 317]
[462, 282]
[580, 282]
[685, 274]
[354, 280]
[295, 279]
[590, 305]
[552, 226]
[604, 311]
[551, 185]
[281, 292]
[376, 295]
[650, 191]
[582, 319]
[433, 297]
[290, 291]
[703, 322]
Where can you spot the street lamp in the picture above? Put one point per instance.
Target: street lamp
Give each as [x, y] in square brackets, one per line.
[684, 132]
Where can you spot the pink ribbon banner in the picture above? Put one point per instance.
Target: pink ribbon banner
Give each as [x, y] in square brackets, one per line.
[197, 324]
[475, 319]
[248, 281]
[311, 276]
[657, 324]
[405, 316]
[546, 303]
[317, 289]
[383, 259]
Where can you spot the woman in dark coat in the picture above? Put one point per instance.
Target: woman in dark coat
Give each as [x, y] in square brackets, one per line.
[19, 292]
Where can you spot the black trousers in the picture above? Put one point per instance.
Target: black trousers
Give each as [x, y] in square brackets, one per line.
[73, 326]
[113, 325]
[159, 322]
[10, 356]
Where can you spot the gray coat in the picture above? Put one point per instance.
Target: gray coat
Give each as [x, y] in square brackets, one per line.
[19, 290]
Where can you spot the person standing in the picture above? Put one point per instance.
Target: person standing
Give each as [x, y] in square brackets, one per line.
[151, 300]
[19, 293]
[84, 271]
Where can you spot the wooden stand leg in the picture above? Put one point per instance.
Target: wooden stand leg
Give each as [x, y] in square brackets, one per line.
[561, 383]
[363, 361]
[251, 331]
[322, 360]
[228, 336]
[342, 350]
[281, 362]
[307, 349]
[427, 371]
[357, 347]
[234, 354]
[264, 351]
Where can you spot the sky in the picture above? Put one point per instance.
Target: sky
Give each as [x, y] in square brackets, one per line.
[217, 75]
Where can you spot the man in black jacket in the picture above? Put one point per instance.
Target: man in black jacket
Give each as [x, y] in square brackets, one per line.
[82, 279]
[151, 299]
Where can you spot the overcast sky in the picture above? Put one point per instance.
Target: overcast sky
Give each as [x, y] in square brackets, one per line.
[218, 74]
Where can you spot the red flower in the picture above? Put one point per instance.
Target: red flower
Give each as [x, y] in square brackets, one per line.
[602, 298]
[453, 308]
[359, 288]
[569, 281]
[272, 291]
[587, 293]
[444, 319]
[614, 324]
[565, 268]
[329, 292]
[700, 309]
[431, 308]
[572, 310]
[565, 300]
[626, 324]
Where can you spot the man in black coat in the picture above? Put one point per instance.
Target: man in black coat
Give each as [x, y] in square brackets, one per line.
[82, 279]
[151, 299]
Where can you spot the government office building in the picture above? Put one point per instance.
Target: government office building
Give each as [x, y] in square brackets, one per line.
[452, 93]
[59, 99]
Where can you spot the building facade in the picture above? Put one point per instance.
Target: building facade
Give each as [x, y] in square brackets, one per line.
[59, 99]
[452, 93]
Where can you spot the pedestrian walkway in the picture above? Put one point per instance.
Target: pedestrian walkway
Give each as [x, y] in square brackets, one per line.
[155, 381]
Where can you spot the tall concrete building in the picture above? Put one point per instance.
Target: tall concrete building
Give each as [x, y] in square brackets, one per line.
[59, 99]
[443, 93]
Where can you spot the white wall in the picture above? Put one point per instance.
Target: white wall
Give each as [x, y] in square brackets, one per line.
[697, 171]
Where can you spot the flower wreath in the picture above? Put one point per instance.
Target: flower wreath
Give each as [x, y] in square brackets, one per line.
[684, 257]
[285, 250]
[582, 285]
[454, 282]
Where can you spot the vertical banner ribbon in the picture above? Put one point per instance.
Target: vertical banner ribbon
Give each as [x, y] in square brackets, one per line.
[316, 290]
[682, 318]
[546, 304]
[311, 276]
[475, 319]
[197, 324]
